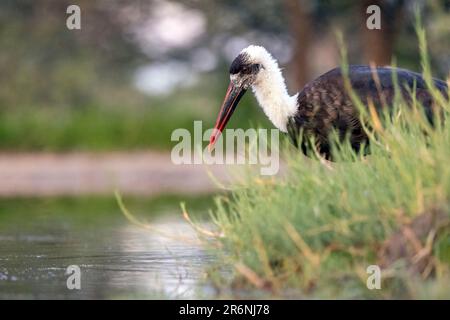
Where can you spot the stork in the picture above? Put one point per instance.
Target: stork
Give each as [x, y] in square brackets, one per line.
[323, 105]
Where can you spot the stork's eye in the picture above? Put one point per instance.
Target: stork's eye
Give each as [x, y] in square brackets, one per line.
[246, 70]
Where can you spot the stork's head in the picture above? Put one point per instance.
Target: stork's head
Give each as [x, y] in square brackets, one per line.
[245, 71]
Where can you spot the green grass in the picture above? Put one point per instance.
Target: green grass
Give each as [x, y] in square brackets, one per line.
[94, 211]
[314, 232]
[89, 129]
[141, 123]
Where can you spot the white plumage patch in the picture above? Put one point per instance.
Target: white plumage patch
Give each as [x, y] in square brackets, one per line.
[270, 89]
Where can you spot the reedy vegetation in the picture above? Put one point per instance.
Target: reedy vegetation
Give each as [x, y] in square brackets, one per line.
[314, 231]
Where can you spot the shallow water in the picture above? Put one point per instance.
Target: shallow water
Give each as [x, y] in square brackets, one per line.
[116, 259]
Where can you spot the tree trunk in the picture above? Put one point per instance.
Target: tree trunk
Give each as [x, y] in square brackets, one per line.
[299, 25]
[378, 44]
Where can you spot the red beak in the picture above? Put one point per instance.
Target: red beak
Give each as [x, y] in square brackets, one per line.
[231, 100]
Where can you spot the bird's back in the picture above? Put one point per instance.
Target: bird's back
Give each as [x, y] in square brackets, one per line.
[324, 104]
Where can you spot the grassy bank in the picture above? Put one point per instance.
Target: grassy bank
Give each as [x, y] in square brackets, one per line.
[92, 211]
[314, 232]
[88, 129]
[130, 122]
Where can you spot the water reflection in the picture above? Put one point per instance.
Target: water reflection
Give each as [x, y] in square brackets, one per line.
[117, 260]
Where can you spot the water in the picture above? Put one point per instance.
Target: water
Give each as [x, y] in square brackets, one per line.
[116, 259]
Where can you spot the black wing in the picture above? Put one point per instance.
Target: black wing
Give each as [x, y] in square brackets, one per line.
[324, 103]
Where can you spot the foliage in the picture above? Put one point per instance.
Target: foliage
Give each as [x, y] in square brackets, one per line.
[314, 231]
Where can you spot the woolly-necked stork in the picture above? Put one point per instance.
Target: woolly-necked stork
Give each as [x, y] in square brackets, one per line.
[323, 105]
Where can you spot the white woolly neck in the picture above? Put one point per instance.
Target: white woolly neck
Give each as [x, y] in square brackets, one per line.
[270, 89]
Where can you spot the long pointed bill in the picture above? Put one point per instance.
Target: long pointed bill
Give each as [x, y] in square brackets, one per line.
[231, 100]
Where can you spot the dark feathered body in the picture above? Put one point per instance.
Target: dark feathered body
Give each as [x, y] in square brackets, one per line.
[324, 105]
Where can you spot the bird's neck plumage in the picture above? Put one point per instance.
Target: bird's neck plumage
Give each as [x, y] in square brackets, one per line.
[271, 92]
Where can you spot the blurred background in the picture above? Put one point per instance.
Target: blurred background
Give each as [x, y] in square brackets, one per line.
[84, 112]
[138, 69]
